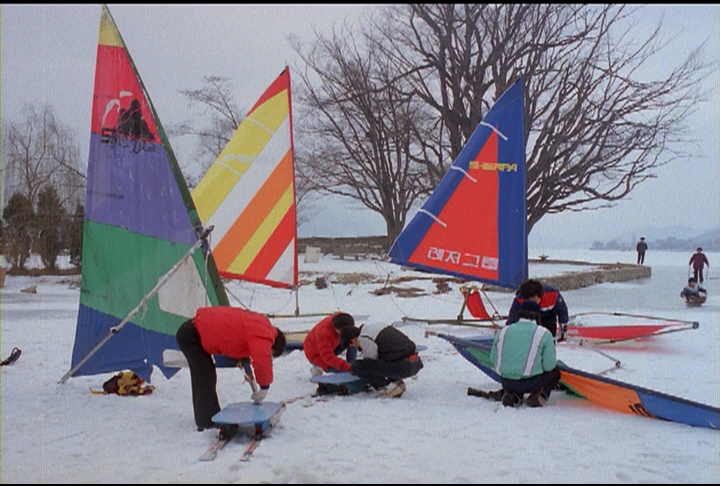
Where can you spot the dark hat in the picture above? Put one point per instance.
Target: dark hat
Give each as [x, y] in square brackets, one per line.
[699, 248]
[692, 279]
[342, 319]
[347, 334]
[530, 306]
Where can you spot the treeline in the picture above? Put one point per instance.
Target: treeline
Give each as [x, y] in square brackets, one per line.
[46, 231]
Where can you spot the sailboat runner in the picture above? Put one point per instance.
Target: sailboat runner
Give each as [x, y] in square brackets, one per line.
[145, 268]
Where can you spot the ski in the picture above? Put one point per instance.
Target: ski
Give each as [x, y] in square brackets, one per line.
[260, 433]
[250, 449]
[219, 443]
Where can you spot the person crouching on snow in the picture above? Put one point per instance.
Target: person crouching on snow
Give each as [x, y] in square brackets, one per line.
[237, 334]
[525, 358]
[693, 291]
[322, 345]
[389, 356]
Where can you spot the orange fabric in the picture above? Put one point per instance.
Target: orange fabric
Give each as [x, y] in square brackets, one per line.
[238, 333]
[605, 394]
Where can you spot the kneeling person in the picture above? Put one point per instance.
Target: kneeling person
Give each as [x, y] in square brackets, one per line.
[388, 356]
[524, 356]
[692, 292]
[322, 345]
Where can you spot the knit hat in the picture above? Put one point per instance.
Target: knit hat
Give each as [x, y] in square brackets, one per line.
[530, 306]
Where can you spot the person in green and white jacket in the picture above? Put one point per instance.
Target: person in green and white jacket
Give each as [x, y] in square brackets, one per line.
[524, 356]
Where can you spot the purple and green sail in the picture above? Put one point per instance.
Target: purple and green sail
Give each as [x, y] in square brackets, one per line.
[140, 221]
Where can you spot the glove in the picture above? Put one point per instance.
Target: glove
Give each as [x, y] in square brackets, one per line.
[259, 396]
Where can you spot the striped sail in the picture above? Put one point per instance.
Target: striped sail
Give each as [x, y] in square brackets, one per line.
[248, 195]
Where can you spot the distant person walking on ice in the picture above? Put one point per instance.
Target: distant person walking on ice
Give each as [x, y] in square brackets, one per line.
[641, 248]
[698, 260]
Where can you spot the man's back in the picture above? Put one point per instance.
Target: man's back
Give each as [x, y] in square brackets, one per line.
[523, 349]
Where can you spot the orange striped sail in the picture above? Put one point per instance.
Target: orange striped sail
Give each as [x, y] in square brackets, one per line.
[248, 194]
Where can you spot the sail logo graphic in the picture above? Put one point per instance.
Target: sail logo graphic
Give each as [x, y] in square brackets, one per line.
[127, 121]
[461, 259]
[493, 166]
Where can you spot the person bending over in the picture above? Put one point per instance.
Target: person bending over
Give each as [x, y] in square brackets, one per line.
[235, 333]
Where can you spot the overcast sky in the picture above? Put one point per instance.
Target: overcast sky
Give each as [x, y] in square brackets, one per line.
[48, 56]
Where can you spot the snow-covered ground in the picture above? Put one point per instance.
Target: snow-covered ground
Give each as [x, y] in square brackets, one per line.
[434, 433]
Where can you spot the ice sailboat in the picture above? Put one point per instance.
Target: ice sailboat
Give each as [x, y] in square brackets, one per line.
[248, 195]
[601, 390]
[474, 225]
[144, 266]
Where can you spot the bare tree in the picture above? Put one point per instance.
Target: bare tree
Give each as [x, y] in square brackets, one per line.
[597, 126]
[41, 151]
[220, 117]
[361, 128]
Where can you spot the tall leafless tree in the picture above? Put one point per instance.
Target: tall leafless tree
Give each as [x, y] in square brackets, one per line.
[361, 127]
[597, 124]
[40, 151]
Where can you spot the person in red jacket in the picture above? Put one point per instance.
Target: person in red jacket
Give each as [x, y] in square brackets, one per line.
[322, 345]
[698, 260]
[235, 333]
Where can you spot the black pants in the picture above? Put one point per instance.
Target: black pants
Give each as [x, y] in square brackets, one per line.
[545, 381]
[641, 258]
[698, 274]
[379, 373]
[203, 375]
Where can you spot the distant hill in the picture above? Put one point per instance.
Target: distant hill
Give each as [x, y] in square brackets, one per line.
[669, 239]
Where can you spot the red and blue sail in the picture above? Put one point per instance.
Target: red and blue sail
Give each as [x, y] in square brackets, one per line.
[140, 222]
[473, 226]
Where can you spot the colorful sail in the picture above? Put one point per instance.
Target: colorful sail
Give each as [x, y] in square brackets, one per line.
[140, 224]
[603, 391]
[474, 224]
[248, 195]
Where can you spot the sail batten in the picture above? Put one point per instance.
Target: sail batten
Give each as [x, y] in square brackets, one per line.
[248, 194]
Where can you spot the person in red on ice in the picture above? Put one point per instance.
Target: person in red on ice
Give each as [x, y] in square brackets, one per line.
[698, 260]
[322, 345]
[235, 333]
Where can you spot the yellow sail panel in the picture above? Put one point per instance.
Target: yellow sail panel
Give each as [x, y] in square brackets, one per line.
[248, 194]
[109, 34]
[248, 141]
[215, 186]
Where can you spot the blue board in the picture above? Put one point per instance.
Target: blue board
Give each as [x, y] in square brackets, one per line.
[262, 416]
[343, 383]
